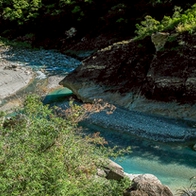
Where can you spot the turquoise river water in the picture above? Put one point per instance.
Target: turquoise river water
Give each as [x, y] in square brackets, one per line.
[173, 164]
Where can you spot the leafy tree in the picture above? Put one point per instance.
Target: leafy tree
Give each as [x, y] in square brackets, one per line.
[22, 10]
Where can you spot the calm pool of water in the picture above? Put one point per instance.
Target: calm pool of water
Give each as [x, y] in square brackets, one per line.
[173, 164]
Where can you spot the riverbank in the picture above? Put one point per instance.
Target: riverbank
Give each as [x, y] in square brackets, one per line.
[16, 73]
[24, 71]
[13, 76]
[151, 127]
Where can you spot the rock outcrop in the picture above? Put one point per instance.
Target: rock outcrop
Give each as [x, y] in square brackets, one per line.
[120, 68]
[124, 71]
[135, 66]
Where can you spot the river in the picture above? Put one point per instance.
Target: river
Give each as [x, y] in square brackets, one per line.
[172, 162]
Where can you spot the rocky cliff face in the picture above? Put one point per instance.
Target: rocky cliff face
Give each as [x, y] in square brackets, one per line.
[126, 70]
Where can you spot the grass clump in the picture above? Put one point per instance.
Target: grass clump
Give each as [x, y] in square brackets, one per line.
[43, 154]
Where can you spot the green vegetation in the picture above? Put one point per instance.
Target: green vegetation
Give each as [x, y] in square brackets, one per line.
[48, 21]
[15, 44]
[43, 154]
[22, 10]
[179, 22]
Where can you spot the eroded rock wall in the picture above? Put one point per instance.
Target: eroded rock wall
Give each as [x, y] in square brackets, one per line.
[125, 70]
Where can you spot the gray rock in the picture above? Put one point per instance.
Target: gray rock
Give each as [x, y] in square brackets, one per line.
[114, 171]
[147, 185]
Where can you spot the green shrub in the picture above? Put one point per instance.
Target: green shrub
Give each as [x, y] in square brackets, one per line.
[43, 154]
[179, 22]
[15, 44]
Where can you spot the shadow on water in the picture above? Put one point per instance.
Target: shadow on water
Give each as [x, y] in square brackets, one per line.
[170, 153]
[173, 163]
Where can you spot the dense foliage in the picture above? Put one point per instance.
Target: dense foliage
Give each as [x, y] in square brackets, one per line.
[179, 22]
[50, 20]
[43, 154]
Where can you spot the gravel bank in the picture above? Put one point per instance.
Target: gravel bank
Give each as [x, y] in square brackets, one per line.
[147, 126]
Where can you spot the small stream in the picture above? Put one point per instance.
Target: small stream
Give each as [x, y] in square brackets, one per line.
[173, 163]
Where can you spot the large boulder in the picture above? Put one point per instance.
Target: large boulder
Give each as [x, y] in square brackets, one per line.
[141, 184]
[134, 75]
[119, 68]
[147, 185]
[135, 67]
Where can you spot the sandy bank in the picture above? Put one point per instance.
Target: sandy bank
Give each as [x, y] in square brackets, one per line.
[13, 75]
[13, 78]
